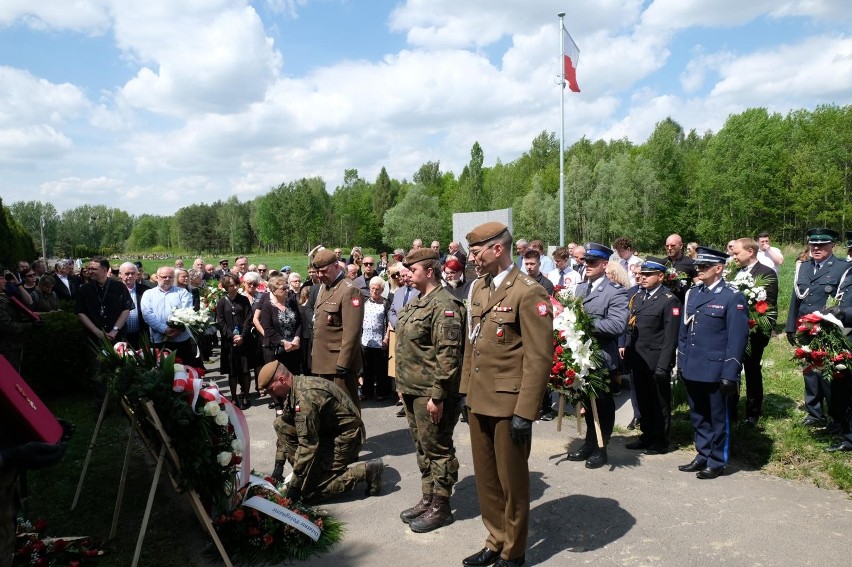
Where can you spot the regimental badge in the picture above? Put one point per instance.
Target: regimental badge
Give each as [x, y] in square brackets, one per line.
[676, 311]
[330, 319]
[449, 313]
[298, 408]
[500, 331]
[356, 302]
[541, 306]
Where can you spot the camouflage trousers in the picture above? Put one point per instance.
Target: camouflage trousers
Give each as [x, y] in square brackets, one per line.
[433, 443]
[330, 473]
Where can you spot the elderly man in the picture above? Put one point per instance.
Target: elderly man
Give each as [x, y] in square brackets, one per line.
[579, 255]
[454, 249]
[711, 342]
[507, 359]
[338, 316]
[320, 433]
[135, 326]
[428, 366]
[157, 305]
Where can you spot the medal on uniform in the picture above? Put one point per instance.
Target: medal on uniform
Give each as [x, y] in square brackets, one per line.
[330, 319]
[500, 331]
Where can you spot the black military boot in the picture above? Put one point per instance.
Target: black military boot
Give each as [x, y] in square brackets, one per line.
[418, 509]
[278, 473]
[375, 468]
[438, 515]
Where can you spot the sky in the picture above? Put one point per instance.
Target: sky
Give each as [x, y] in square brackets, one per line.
[151, 106]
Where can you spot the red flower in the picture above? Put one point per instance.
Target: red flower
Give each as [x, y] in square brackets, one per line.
[267, 539]
[818, 356]
[559, 350]
[839, 358]
[761, 307]
[816, 329]
[74, 563]
[239, 514]
[569, 381]
[253, 531]
[39, 525]
[59, 545]
[801, 353]
[752, 323]
[570, 373]
[810, 318]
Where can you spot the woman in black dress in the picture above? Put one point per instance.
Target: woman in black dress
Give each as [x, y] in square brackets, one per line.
[233, 316]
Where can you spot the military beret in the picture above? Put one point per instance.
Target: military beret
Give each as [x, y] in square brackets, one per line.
[595, 251]
[485, 232]
[419, 255]
[323, 258]
[267, 372]
[653, 264]
[848, 239]
[822, 236]
[705, 256]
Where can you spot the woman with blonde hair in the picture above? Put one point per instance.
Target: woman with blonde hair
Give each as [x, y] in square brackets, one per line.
[282, 329]
[692, 250]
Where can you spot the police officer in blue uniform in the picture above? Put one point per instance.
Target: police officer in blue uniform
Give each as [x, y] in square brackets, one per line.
[815, 281]
[652, 331]
[711, 342]
[606, 303]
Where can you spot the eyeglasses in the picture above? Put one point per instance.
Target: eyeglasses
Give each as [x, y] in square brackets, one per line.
[368, 263]
[479, 252]
[395, 276]
[250, 283]
[262, 270]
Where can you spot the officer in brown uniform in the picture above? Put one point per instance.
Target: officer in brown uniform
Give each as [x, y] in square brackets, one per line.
[338, 316]
[320, 433]
[430, 342]
[507, 360]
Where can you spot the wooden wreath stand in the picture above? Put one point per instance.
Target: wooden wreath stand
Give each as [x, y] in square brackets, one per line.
[166, 451]
[561, 413]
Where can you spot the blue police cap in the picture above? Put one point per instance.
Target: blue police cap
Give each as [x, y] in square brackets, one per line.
[822, 236]
[595, 251]
[704, 256]
[653, 264]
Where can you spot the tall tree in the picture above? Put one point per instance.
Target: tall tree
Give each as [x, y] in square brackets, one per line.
[416, 216]
[30, 215]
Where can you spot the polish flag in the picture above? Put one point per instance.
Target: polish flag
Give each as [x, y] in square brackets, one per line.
[570, 59]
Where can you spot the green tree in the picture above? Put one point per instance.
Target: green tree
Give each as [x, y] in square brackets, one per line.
[16, 239]
[30, 214]
[416, 216]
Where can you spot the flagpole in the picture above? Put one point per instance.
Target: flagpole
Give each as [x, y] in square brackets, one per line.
[562, 131]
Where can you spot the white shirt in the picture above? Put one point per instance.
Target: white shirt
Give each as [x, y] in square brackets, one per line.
[765, 259]
[571, 277]
[632, 261]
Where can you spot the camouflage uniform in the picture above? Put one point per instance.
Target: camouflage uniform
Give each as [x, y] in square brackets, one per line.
[429, 349]
[320, 433]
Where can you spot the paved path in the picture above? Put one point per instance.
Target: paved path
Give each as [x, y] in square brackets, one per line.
[638, 510]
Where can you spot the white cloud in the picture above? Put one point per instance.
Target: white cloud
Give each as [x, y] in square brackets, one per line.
[86, 16]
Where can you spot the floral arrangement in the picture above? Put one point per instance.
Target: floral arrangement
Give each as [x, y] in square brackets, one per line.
[205, 432]
[196, 322]
[210, 296]
[32, 548]
[253, 536]
[676, 281]
[761, 314]
[578, 369]
[822, 344]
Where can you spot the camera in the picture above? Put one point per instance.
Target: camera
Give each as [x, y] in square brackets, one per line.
[9, 276]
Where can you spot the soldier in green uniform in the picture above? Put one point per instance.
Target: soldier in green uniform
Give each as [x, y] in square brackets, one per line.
[429, 351]
[320, 433]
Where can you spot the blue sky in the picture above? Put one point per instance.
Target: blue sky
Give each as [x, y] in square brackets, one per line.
[151, 106]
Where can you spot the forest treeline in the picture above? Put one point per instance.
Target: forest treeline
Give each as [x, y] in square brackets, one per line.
[760, 171]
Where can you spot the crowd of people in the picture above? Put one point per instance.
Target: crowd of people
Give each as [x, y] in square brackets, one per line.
[454, 335]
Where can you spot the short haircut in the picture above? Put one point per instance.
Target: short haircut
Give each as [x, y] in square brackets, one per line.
[251, 277]
[763, 234]
[227, 280]
[622, 243]
[749, 244]
[561, 253]
[530, 253]
[537, 244]
[376, 280]
[102, 261]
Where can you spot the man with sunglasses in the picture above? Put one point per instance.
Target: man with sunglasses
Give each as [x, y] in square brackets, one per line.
[711, 342]
[814, 283]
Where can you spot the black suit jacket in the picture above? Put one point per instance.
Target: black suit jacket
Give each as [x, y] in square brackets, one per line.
[652, 329]
[63, 292]
[771, 285]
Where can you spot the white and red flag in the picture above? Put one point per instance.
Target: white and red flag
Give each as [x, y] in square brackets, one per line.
[570, 59]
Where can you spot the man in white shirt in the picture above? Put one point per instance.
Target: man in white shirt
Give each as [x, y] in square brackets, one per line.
[627, 258]
[768, 255]
[563, 276]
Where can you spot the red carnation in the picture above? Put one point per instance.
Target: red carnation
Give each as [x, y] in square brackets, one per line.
[752, 323]
[267, 539]
[801, 353]
[761, 307]
[839, 358]
[570, 373]
[811, 318]
[569, 381]
[559, 350]
[816, 329]
[818, 356]
[239, 515]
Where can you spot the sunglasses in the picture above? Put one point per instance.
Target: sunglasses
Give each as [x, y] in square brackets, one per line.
[369, 263]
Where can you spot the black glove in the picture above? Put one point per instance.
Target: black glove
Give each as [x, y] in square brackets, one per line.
[791, 338]
[294, 493]
[839, 312]
[661, 376]
[521, 430]
[728, 387]
[341, 371]
[32, 455]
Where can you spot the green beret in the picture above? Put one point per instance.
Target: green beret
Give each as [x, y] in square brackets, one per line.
[485, 232]
[420, 255]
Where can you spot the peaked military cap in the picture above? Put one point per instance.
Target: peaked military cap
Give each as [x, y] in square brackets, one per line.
[822, 236]
[653, 264]
[323, 258]
[595, 251]
[419, 255]
[705, 256]
[485, 232]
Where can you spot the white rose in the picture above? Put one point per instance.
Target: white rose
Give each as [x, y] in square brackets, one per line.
[221, 418]
[211, 408]
[224, 458]
[237, 446]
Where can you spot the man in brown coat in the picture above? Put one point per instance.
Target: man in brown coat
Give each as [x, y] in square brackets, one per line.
[338, 316]
[507, 362]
